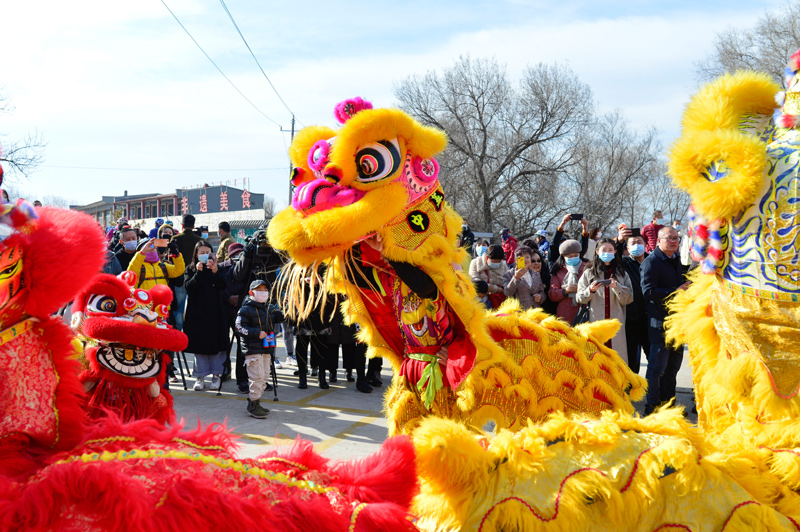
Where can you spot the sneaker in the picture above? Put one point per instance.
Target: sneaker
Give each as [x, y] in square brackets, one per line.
[174, 379]
[215, 382]
[278, 364]
[199, 384]
[254, 409]
[268, 388]
[291, 361]
[243, 387]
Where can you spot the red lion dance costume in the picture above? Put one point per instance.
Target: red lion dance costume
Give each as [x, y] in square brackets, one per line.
[61, 471]
[125, 330]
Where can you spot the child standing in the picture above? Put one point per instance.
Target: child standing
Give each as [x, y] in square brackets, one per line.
[255, 327]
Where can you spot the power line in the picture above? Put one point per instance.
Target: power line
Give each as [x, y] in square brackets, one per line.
[165, 169]
[215, 65]
[230, 16]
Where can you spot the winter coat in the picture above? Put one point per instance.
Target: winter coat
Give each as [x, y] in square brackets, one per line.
[186, 241]
[524, 292]
[222, 250]
[479, 270]
[204, 322]
[661, 277]
[650, 234]
[636, 311]
[565, 310]
[150, 274]
[253, 318]
[608, 303]
[509, 246]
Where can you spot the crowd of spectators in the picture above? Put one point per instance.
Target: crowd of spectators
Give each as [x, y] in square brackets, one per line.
[628, 277]
[224, 297]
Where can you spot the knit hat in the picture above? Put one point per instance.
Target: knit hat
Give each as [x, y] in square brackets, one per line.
[235, 248]
[569, 246]
[496, 252]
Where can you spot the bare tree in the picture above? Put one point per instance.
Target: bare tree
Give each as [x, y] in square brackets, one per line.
[21, 156]
[51, 200]
[508, 145]
[612, 163]
[765, 47]
[269, 207]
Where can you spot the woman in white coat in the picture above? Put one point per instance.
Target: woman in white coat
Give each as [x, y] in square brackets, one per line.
[607, 289]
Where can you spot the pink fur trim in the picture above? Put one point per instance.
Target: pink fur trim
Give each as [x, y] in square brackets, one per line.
[347, 109]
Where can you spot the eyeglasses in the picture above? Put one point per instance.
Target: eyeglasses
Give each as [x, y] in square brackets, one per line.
[672, 238]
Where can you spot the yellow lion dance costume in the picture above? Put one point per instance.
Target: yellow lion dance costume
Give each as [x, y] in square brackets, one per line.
[376, 180]
[567, 463]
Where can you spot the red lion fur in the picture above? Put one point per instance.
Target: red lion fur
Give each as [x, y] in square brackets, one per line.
[170, 493]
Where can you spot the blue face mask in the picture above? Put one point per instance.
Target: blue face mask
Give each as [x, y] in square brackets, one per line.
[572, 261]
[481, 250]
[636, 250]
[130, 245]
[205, 236]
[494, 265]
[606, 256]
[203, 257]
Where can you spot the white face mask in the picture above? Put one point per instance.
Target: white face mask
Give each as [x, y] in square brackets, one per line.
[661, 221]
[678, 227]
[260, 296]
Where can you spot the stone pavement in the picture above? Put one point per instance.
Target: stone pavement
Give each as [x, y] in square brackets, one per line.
[342, 422]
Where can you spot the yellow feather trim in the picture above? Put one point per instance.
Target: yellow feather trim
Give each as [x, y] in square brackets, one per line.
[711, 134]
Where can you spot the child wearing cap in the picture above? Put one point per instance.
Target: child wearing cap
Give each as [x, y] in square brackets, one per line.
[254, 323]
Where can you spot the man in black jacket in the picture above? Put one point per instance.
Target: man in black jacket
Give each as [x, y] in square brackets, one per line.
[662, 275]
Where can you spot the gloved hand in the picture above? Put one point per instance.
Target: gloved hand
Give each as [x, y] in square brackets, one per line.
[173, 249]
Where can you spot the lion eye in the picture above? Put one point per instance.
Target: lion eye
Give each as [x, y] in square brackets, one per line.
[377, 160]
[102, 304]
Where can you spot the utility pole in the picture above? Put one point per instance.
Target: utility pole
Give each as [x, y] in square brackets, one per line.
[291, 187]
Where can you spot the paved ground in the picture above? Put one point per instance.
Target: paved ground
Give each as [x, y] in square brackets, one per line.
[341, 421]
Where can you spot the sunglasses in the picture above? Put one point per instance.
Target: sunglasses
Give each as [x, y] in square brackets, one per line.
[536, 261]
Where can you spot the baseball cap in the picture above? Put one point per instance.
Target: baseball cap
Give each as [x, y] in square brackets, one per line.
[255, 284]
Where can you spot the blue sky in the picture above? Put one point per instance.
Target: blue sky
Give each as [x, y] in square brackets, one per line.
[120, 85]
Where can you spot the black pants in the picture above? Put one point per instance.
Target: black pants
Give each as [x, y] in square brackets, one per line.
[637, 340]
[319, 353]
[354, 357]
[241, 369]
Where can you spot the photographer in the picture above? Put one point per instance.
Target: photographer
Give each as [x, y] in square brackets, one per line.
[151, 264]
[205, 324]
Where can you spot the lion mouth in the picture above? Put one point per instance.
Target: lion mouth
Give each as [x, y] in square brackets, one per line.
[130, 361]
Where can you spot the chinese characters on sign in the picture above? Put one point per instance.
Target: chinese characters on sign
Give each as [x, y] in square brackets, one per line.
[242, 234]
[245, 199]
[203, 203]
[223, 201]
[184, 205]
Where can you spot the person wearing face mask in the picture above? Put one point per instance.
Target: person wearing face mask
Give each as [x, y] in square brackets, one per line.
[482, 293]
[650, 231]
[636, 327]
[525, 283]
[607, 289]
[564, 277]
[154, 265]
[481, 248]
[491, 268]
[255, 323]
[129, 240]
[204, 321]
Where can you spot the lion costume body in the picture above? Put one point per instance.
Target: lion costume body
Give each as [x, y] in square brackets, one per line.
[60, 470]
